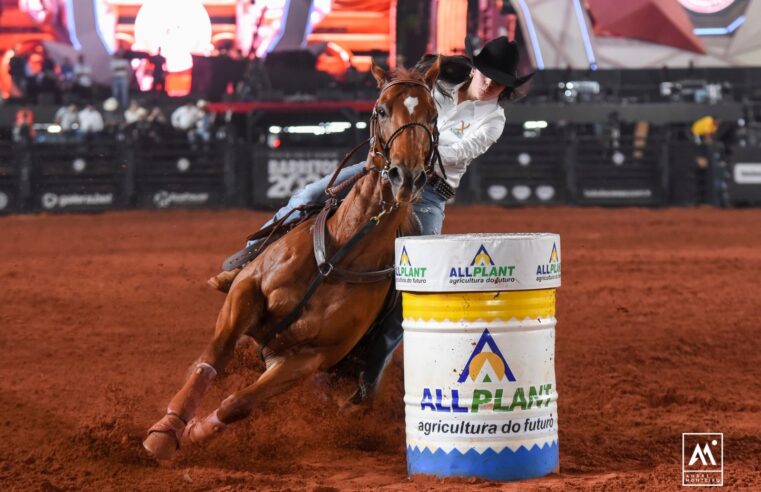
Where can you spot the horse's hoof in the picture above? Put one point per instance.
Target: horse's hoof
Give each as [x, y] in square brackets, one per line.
[164, 437]
[161, 445]
[201, 430]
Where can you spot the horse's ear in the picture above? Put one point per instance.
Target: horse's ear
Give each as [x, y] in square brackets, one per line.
[379, 74]
[433, 73]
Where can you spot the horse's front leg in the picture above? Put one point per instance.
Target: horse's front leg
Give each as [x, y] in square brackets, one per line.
[281, 375]
[243, 308]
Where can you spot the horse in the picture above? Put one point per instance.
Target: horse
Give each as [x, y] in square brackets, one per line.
[302, 324]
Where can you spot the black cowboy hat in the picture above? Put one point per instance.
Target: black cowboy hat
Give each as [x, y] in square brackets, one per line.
[498, 60]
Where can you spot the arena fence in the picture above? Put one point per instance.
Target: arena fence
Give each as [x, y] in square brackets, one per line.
[559, 167]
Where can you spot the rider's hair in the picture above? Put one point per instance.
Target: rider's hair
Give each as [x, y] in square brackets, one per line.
[456, 70]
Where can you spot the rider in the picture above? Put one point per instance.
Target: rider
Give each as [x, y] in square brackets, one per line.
[470, 119]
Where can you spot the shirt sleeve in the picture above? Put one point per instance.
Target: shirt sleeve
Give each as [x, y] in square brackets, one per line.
[458, 155]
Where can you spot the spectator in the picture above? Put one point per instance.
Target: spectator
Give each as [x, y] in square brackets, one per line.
[17, 67]
[186, 116]
[90, 120]
[159, 75]
[120, 72]
[67, 74]
[48, 66]
[82, 78]
[132, 113]
[204, 124]
[157, 116]
[157, 124]
[112, 118]
[704, 128]
[67, 118]
[48, 87]
[23, 128]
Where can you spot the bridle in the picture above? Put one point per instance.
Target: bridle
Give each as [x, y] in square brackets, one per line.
[381, 148]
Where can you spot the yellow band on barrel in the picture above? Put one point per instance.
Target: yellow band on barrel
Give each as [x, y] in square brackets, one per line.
[473, 306]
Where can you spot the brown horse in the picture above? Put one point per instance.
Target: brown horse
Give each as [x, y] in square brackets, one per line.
[338, 315]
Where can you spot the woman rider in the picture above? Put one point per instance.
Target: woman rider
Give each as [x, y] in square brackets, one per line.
[470, 119]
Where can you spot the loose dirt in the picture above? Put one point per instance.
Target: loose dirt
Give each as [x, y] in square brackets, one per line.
[101, 315]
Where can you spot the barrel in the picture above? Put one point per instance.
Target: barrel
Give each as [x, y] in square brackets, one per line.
[479, 347]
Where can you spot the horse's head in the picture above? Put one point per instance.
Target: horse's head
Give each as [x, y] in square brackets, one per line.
[404, 129]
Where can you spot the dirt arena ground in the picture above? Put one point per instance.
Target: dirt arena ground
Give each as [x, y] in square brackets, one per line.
[100, 316]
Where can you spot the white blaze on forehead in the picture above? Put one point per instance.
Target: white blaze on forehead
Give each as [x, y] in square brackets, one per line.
[411, 103]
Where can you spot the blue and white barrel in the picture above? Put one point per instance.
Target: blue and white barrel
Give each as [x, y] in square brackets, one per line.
[479, 348]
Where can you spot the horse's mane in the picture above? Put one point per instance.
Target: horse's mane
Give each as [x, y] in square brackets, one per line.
[405, 73]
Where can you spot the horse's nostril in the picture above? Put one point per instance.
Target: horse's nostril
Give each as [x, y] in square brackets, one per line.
[395, 175]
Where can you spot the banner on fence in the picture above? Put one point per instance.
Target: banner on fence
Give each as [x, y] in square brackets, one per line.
[277, 174]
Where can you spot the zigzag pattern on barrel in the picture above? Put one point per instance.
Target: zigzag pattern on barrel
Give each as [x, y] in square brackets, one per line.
[505, 465]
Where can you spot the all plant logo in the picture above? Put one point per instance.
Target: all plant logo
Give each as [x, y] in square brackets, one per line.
[487, 376]
[407, 272]
[486, 366]
[551, 269]
[482, 269]
[702, 459]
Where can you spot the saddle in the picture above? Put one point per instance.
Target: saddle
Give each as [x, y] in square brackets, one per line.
[269, 234]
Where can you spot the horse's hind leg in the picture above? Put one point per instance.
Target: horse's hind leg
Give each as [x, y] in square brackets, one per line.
[242, 309]
[280, 376]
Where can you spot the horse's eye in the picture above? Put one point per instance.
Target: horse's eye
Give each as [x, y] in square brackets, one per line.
[381, 112]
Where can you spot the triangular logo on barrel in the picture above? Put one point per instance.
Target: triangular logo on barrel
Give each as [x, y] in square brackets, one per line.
[482, 258]
[554, 255]
[480, 361]
[405, 259]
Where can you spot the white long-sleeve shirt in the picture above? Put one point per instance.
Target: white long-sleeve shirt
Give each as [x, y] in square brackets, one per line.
[90, 121]
[466, 130]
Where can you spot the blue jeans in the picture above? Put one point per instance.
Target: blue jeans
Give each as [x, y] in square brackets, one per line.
[378, 347]
[120, 91]
[429, 209]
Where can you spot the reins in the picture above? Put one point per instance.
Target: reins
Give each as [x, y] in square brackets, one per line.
[328, 268]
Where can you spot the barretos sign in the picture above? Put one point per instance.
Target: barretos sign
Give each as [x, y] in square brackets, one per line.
[493, 262]
[63, 201]
[289, 171]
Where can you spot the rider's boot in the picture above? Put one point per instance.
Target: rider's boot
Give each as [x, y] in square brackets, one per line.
[223, 280]
[378, 349]
[234, 264]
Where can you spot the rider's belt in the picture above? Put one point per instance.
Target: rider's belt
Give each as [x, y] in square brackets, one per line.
[441, 187]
